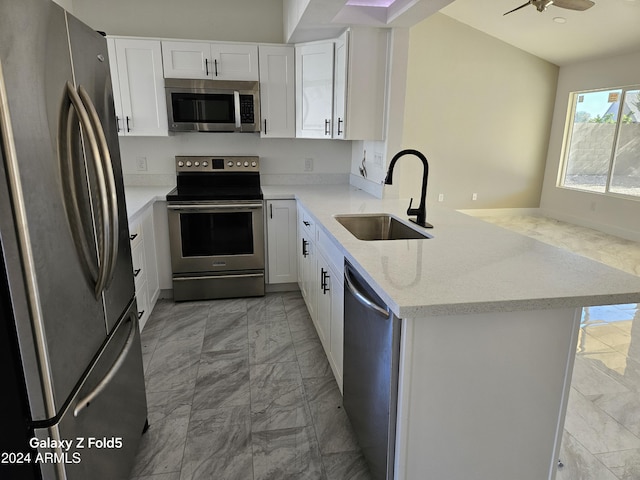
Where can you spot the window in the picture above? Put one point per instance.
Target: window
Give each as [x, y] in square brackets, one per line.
[602, 143]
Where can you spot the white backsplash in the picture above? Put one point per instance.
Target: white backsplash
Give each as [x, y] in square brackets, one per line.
[282, 161]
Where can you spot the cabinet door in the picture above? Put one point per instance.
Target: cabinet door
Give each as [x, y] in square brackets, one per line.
[336, 328]
[141, 87]
[277, 91]
[187, 60]
[281, 241]
[314, 90]
[234, 62]
[324, 292]
[148, 237]
[340, 85]
[115, 83]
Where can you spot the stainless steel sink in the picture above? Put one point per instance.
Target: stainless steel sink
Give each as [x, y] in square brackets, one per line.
[378, 226]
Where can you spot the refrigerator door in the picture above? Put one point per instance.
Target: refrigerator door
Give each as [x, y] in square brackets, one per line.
[65, 325]
[91, 71]
[108, 413]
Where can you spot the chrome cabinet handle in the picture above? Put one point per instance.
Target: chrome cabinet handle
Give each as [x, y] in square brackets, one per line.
[327, 127]
[339, 122]
[136, 272]
[118, 123]
[304, 248]
[85, 401]
[110, 197]
[140, 314]
[361, 297]
[306, 224]
[133, 237]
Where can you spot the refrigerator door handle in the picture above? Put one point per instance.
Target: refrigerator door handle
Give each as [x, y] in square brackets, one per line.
[103, 232]
[86, 400]
[71, 200]
[111, 195]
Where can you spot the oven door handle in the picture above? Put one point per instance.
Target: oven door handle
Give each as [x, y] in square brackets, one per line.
[219, 206]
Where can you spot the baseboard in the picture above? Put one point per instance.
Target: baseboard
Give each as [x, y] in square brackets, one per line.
[625, 233]
[281, 287]
[497, 212]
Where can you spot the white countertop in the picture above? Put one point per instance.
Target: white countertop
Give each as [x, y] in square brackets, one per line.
[138, 199]
[469, 266]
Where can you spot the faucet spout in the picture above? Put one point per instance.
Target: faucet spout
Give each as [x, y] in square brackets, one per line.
[421, 211]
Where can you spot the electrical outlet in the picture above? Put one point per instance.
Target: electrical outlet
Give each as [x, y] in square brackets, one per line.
[308, 164]
[441, 197]
[474, 197]
[377, 159]
[141, 164]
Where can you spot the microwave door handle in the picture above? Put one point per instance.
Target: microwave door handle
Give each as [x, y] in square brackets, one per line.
[236, 104]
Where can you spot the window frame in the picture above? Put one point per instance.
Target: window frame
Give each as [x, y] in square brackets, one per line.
[568, 135]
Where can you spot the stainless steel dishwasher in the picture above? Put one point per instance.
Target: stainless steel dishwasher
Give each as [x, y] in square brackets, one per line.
[370, 372]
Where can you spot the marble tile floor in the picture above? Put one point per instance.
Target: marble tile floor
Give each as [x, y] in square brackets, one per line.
[601, 440]
[241, 389]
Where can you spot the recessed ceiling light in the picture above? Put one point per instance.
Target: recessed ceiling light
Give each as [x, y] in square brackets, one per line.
[559, 19]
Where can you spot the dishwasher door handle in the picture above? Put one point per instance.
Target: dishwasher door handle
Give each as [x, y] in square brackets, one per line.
[362, 298]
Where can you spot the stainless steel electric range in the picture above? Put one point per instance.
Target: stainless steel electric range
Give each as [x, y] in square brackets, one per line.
[216, 228]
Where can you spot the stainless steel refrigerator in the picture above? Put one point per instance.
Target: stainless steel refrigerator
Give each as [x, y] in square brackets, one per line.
[73, 403]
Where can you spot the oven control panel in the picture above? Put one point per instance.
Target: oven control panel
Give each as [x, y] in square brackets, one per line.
[217, 164]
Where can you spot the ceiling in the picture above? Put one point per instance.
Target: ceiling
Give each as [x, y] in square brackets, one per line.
[610, 27]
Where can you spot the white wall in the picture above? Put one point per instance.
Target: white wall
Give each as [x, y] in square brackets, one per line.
[480, 110]
[282, 160]
[66, 4]
[226, 20]
[619, 216]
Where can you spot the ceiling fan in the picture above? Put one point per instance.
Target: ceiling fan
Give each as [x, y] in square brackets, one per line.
[541, 5]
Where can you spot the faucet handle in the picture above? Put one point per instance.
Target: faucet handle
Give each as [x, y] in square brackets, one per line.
[412, 211]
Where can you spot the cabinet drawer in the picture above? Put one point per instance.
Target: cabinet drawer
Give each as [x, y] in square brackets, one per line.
[135, 234]
[137, 257]
[331, 251]
[307, 223]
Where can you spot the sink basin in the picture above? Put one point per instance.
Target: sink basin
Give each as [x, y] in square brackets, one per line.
[378, 226]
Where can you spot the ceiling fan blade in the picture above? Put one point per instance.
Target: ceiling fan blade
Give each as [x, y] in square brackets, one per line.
[517, 8]
[574, 4]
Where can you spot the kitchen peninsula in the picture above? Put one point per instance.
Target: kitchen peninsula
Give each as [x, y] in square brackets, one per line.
[490, 323]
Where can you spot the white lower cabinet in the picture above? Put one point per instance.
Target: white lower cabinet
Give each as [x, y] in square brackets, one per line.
[320, 267]
[145, 267]
[281, 241]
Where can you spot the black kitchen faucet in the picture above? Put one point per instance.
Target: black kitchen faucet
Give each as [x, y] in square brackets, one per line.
[421, 211]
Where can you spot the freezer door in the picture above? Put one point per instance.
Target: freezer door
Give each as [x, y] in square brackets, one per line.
[92, 73]
[64, 323]
[105, 420]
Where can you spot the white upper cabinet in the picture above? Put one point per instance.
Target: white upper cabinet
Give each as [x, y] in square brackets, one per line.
[277, 91]
[314, 90]
[138, 86]
[215, 61]
[364, 84]
[341, 86]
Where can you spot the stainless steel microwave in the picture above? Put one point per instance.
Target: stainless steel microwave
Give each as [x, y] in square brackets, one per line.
[212, 105]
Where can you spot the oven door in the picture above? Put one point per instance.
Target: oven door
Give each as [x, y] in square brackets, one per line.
[216, 236]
